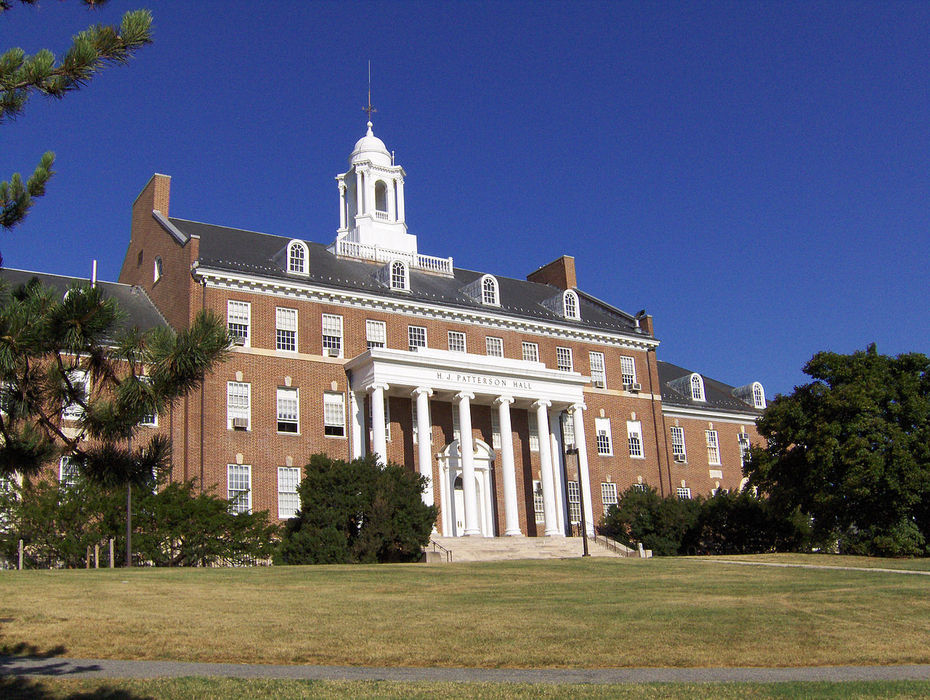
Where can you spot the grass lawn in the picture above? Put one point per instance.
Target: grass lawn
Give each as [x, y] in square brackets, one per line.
[569, 613]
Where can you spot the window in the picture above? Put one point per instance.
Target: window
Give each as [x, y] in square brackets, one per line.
[288, 411]
[381, 196]
[239, 488]
[399, 276]
[697, 387]
[568, 429]
[456, 341]
[334, 414]
[375, 334]
[74, 410]
[563, 358]
[495, 429]
[534, 431]
[288, 500]
[608, 495]
[639, 487]
[68, 472]
[150, 419]
[570, 304]
[238, 318]
[530, 352]
[156, 275]
[574, 501]
[684, 493]
[602, 431]
[598, 375]
[634, 431]
[713, 450]
[456, 431]
[495, 346]
[297, 257]
[678, 444]
[743, 439]
[416, 337]
[286, 329]
[758, 395]
[627, 371]
[489, 291]
[332, 335]
[539, 508]
[238, 405]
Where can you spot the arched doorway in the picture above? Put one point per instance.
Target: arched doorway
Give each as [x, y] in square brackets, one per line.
[452, 493]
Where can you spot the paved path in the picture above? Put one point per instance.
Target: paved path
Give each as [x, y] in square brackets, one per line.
[108, 668]
[815, 566]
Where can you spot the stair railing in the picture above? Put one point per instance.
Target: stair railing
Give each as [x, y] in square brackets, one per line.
[439, 548]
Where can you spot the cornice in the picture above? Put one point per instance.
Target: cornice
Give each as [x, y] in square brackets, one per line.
[708, 414]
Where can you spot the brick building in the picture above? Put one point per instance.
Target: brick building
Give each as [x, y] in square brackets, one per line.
[363, 344]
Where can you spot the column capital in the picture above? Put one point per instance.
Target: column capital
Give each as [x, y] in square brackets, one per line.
[576, 407]
[542, 403]
[421, 390]
[377, 385]
[465, 395]
[502, 400]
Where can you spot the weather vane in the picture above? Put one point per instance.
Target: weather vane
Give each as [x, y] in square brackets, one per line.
[369, 108]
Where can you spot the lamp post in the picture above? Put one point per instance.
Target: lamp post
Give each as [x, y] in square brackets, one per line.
[572, 450]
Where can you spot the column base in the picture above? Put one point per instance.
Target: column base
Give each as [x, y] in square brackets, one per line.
[554, 533]
[513, 533]
[472, 533]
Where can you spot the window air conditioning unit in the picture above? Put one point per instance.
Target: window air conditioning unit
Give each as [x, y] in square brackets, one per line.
[238, 340]
[636, 387]
[240, 423]
[331, 352]
[600, 383]
[679, 459]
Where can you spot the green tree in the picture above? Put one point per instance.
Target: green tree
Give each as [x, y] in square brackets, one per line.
[22, 75]
[76, 357]
[357, 512]
[643, 516]
[851, 449]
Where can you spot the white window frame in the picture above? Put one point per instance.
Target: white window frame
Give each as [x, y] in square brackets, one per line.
[627, 371]
[416, 337]
[331, 325]
[568, 428]
[297, 261]
[634, 432]
[399, 275]
[288, 398]
[158, 269]
[288, 498]
[239, 320]
[494, 346]
[539, 503]
[570, 305]
[74, 410]
[238, 403]
[285, 325]
[334, 414]
[598, 371]
[457, 342]
[530, 352]
[563, 359]
[69, 471]
[495, 429]
[608, 495]
[489, 291]
[234, 476]
[602, 437]
[573, 491]
[758, 395]
[683, 493]
[744, 445]
[696, 382]
[678, 442]
[713, 447]
[533, 424]
[375, 334]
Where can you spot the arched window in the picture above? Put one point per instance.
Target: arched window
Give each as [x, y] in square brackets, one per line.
[158, 269]
[697, 387]
[758, 395]
[380, 196]
[489, 291]
[570, 304]
[297, 257]
[399, 278]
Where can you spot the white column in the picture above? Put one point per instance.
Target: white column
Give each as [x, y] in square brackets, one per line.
[342, 205]
[466, 446]
[545, 469]
[389, 196]
[424, 441]
[400, 200]
[378, 433]
[357, 411]
[359, 193]
[558, 470]
[508, 468]
[586, 494]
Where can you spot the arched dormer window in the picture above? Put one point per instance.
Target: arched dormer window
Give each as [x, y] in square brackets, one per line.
[758, 395]
[381, 203]
[400, 277]
[158, 270]
[489, 295]
[297, 257]
[697, 387]
[570, 305]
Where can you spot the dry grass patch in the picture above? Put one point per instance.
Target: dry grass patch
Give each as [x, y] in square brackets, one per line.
[571, 613]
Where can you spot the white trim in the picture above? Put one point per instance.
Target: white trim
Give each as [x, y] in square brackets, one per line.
[705, 413]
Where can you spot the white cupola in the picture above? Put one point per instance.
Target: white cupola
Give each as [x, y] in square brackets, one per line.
[371, 202]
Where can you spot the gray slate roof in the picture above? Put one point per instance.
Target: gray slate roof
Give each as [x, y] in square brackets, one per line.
[717, 394]
[138, 310]
[261, 254]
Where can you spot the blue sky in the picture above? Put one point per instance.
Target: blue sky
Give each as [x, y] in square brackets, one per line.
[755, 175]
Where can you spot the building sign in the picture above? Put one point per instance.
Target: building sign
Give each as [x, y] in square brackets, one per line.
[479, 380]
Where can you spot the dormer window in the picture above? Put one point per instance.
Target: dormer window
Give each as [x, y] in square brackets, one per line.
[758, 395]
[752, 394]
[489, 295]
[158, 270]
[697, 387]
[400, 277]
[570, 305]
[297, 257]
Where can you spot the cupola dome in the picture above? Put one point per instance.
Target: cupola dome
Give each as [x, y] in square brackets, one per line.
[372, 149]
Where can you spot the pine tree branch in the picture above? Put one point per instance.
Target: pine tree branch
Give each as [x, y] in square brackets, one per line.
[16, 197]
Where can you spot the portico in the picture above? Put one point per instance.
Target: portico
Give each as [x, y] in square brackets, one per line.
[428, 377]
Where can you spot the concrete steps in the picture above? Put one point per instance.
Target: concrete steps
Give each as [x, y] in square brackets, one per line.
[503, 548]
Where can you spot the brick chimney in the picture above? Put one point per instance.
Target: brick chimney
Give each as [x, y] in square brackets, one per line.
[559, 273]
